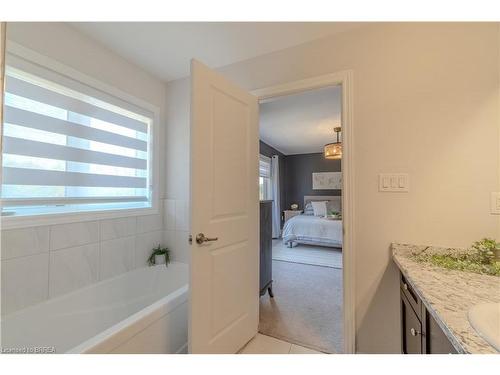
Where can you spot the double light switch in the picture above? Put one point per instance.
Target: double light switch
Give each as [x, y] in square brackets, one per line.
[394, 182]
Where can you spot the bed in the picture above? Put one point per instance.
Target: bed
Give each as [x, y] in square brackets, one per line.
[314, 230]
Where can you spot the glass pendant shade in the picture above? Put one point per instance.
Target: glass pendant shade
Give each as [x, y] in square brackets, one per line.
[333, 150]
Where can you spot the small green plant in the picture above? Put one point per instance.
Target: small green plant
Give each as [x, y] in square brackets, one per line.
[483, 258]
[335, 213]
[486, 250]
[159, 251]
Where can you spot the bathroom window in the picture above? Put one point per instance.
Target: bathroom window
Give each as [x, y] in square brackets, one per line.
[265, 186]
[68, 146]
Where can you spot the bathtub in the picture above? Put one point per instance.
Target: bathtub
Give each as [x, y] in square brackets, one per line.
[141, 311]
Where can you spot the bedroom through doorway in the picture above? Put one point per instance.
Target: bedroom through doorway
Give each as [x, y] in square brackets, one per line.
[300, 179]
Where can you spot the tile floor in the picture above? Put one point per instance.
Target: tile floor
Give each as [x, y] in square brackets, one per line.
[262, 344]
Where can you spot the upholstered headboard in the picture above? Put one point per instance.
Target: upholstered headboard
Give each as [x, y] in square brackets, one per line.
[335, 201]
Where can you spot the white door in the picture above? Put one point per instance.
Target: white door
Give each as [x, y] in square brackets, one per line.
[224, 282]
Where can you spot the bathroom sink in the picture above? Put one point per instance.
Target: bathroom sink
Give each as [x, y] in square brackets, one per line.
[485, 319]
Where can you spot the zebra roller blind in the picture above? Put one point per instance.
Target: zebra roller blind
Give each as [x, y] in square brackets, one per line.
[66, 143]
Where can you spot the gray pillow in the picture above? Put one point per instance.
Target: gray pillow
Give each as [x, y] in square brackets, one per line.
[308, 209]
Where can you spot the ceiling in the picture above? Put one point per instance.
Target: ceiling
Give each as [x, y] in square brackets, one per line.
[301, 123]
[165, 48]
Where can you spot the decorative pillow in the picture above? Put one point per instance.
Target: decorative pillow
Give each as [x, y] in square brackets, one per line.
[308, 209]
[319, 208]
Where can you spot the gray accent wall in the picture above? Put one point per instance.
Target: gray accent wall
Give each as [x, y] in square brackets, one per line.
[298, 176]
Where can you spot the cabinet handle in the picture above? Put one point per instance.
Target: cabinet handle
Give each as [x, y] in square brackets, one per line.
[414, 332]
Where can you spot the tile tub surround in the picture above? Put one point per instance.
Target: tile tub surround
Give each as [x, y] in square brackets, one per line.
[176, 224]
[449, 294]
[42, 262]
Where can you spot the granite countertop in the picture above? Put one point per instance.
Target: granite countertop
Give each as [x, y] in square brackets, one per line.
[449, 294]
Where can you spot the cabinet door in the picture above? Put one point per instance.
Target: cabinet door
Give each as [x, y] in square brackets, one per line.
[266, 246]
[436, 341]
[411, 329]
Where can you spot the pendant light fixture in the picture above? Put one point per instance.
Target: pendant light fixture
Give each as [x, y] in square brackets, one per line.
[334, 150]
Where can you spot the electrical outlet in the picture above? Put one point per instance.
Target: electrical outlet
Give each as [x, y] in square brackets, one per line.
[495, 203]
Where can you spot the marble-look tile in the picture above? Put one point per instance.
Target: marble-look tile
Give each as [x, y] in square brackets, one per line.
[449, 294]
[182, 247]
[177, 242]
[75, 234]
[169, 237]
[144, 244]
[116, 228]
[181, 215]
[262, 344]
[25, 241]
[73, 268]
[24, 281]
[116, 257]
[169, 214]
[149, 223]
[297, 349]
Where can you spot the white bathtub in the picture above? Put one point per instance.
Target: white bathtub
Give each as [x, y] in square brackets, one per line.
[142, 311]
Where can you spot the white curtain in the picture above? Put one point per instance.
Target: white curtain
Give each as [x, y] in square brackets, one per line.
[275, 183]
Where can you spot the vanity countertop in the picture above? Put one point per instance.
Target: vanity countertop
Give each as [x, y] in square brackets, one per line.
[449, 294]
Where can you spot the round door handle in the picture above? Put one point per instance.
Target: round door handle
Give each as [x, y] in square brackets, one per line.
[414, 332]
[405, 286]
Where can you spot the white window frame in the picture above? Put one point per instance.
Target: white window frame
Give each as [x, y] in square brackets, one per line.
[11, 222]
[269, 193]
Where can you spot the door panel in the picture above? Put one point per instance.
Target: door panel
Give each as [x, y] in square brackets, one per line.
[224, 305]
[411, 328]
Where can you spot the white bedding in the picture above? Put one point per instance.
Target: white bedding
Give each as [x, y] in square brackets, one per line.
[313, 230]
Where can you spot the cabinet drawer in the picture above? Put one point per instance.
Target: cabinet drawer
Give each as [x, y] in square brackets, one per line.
[412, 296]
[411, 329]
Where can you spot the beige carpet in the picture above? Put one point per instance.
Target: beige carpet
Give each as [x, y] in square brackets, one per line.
[308, 254]
[307, 306]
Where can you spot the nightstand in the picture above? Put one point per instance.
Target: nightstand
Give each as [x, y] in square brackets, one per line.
[288, 214]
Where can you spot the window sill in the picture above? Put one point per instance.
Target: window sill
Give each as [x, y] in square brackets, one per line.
[65, 217]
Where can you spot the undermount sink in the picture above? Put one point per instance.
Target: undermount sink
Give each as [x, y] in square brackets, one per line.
[485, 319]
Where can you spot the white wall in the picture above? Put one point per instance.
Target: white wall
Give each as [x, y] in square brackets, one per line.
[42, 262]
[177, 169]
[425, 102]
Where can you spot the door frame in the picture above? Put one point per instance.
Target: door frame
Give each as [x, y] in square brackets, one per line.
[345, 80]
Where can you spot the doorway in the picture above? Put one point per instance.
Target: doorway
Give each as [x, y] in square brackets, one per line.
[224, 301]
[312, 280]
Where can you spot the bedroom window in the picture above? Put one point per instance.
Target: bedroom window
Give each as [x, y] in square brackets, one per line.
[69, 147]
[265, 186]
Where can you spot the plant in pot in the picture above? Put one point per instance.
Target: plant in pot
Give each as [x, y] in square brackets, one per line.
[159, 255]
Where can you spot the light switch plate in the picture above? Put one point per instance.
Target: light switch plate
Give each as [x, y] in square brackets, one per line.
[495, 203]
[394, 182]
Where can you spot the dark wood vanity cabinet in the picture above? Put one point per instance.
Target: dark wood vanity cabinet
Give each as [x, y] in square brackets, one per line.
[411, 340]
[435, 341]
[266, 248]
[420, 333]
